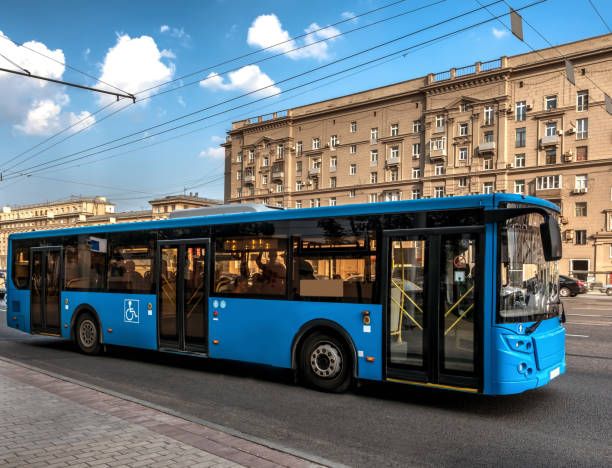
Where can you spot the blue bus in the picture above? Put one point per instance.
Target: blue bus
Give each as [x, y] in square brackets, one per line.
[457, 293]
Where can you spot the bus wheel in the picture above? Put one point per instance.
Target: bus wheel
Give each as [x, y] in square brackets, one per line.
[87, 334]
[325, 363]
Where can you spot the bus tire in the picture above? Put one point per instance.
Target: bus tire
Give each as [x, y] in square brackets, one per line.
[325, 363]
[87, 334]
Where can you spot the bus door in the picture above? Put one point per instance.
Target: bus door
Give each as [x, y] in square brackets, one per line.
[433, 308]
[45, 287]
[182, 294]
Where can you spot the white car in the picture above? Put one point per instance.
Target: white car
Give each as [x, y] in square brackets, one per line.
[607, 288]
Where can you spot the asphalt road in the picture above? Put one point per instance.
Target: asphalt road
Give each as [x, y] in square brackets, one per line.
[566, 423]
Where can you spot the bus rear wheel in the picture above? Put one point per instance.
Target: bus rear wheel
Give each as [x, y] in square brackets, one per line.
[325, 363]
[87, 334]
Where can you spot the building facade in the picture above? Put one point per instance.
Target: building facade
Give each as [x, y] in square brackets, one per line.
[513, 125]
[85, 212]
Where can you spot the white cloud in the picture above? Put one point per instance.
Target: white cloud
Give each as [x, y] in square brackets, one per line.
[231, 31]
[267, 30]
[215, 152]
[349, 15]
[32, 106]
[249, 78]
[499, 33]
[176, 33]
[181, 101]
[164, 28]
[134, 65]
[166, 53]
[81, 121]
[216, 139]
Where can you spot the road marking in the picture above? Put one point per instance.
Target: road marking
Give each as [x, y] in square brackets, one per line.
[577, 336]
[602, 324]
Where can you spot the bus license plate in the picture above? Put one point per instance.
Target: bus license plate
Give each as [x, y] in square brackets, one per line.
[555, 373]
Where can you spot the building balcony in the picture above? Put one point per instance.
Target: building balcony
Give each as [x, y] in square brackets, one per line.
[332, 168]
[437, 153]
[314, 171]
[392, 160]
[278, 175]
[486, 147]
[439, 129]
[249, 178]
[549, 140]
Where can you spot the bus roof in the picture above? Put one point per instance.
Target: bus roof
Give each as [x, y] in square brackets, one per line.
[487, 202]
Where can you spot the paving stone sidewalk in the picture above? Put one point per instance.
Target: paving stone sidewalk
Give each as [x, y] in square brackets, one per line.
[45, 422]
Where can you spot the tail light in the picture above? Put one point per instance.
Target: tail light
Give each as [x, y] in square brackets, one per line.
[579, 283]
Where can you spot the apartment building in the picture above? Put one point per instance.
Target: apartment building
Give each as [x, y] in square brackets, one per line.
[514, 124]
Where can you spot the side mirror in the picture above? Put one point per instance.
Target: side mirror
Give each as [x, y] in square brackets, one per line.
[551, 239]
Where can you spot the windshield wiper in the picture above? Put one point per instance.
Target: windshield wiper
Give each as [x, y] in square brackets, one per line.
[532, 328]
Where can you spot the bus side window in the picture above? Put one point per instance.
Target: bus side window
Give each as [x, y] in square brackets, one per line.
[21, 266]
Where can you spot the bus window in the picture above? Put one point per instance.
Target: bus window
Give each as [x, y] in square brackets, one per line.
[251, 265]
[21, 266]
[85, 263]
[130, 264]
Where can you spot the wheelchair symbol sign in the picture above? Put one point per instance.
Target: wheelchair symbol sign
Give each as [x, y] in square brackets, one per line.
[131, 310]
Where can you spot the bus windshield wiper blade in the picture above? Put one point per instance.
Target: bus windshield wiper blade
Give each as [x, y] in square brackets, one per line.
[532, 328]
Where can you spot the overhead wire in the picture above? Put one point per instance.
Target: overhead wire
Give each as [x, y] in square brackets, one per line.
[600, 17]
[278, 82]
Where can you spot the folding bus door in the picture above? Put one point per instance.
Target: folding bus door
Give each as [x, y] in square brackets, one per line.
[433, 307]
[182, 294]
[45, 287]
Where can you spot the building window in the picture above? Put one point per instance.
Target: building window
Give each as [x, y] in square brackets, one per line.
[463, 129]
[487, 164]
[416, 193]
[462, 182]
[416, 126]
[373, 198]
[394, 154]
[279, 151]
[394, 174]
[353, 169]
[416, 149]
[581, 209]
[416, 172]
[551, 129]
[298, 147]
[581, 181]
[439, 191]
[239, 193]
[353, 126]
[488, 136]
[315, 143]
[519, 186]
[373, 157]
[312, 203]
[394, 130]
[265, 161]
[374, 135]
[582, 101]
[316, 164]
[521, 111]
[317, 202]
[298, 168]
[548, 182]
[582, 153]
[332, 182]
[550, 102]
[439, 122]
[239, 156]
[298, 186]
[333, 163]
[279, 187]
[462, 154]
[463, 107]
[487, 187]
[352, 193]
[582, 129]
[279, 204]
[298, 203]
[439, 169]
[521, 137]
[333, 141]
[436, 144]
[392, 196]
[519, 160]
[332, 201]
[264, 179]
[373, 177]
[251, 190]
[489, 116]
[581, 237]
[551, 156]
[251, 155]
[353, 149]
[239, 175]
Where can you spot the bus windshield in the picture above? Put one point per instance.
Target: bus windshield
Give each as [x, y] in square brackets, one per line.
[528, 283]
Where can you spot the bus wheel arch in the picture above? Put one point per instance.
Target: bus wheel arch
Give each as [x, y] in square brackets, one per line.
[86, 329]
[328, 337]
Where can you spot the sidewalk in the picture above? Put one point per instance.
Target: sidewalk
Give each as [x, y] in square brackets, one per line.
[48, 422]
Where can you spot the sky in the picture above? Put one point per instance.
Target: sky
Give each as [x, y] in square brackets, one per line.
[60, 141]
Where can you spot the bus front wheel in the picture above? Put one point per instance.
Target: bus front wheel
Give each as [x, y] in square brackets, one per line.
[325, 363]
[87, 334]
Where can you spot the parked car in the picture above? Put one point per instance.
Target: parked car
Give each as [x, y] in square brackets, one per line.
[607, 289]
[571, 286]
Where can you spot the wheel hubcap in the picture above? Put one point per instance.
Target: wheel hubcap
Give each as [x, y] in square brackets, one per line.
[88, 333]
[326, 360]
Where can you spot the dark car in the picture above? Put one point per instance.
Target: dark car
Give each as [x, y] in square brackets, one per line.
[570, 286]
